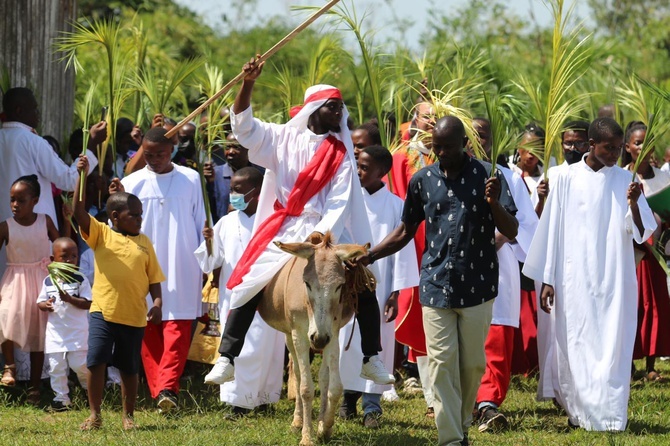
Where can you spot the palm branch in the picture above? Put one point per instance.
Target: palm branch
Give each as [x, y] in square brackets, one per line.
[84, 110]
[503, 111]
[570, 58]
[651, 112]
[106, 33]
[158, 86]
[67, 200]
[61, 272]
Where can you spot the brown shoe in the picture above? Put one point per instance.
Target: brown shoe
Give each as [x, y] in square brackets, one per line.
[33, 397]
[93, 422]
[430, 413]
[8, 376]
[372, 420]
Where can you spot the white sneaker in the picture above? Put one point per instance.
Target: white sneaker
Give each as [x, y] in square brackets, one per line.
[222, 372]
[374, 370]
[390, 395]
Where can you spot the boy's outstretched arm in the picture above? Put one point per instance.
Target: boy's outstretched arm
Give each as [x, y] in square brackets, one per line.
[155, 314]
[79, 206]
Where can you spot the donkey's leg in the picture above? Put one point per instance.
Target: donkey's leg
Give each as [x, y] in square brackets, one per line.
[306, 386]
[323, 386]
[294, 375]
[331, 356]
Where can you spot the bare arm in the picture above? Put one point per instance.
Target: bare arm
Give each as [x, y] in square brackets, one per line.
[51, 229]
[4, 233]
[633, 194]
[155, 314]
[506, 223]
[252, 70]
[79, 206]
[391, 244]
[79, 302]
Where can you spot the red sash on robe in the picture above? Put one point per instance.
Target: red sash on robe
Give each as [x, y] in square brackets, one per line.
[317, 174]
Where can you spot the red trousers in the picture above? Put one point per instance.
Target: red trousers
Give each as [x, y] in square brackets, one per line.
[164, 352]
[499, 347]
[525, 358]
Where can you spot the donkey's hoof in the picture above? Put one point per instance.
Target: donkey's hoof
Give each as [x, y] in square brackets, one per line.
[306, 442]
[296, 426]
[324, 434]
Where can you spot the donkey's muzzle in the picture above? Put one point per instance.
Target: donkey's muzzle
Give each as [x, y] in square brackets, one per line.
[319, 342]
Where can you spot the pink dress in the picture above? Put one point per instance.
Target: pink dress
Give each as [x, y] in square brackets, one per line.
[28, 254]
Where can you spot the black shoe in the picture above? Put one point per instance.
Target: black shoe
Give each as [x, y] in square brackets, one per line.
[237, 413]
[167, 401]
[58, 406]
[572, 425]
[348, 407]
[490, 420]
[372, 420]
[464, 441]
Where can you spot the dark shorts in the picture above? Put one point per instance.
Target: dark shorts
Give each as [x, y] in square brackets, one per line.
[114, 344]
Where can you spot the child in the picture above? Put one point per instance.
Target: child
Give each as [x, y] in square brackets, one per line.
[528, 165]
[67, 327]
[28, 236]
[396, 272]
[588, 270]
[126, 269]
[365, 135]
[258, 371]
[653, 302]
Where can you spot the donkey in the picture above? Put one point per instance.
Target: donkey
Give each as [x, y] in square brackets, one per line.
[304, 301]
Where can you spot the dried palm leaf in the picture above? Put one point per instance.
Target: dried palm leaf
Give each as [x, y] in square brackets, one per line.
[61, 272]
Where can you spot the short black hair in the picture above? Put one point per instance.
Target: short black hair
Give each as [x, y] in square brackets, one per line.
[575, 126]
[372, 128]
[252, 174]
[381, 156]
[632, 127]
[123, 126]
[157, 135]
[169, 121]
[119, 201]
[15, 97]
[64, 240]
[602, 128]
[32, 182]
[534, 129]
[450, 124]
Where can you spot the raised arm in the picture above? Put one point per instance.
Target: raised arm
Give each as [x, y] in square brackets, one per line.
[252, 70]
[79, 206]
[506, 223]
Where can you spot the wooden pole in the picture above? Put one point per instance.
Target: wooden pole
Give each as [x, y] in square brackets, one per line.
[263, 58]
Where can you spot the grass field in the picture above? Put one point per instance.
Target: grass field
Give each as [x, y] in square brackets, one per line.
[202, 421]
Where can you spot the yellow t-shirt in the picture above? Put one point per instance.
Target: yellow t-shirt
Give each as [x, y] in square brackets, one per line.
[125, 265]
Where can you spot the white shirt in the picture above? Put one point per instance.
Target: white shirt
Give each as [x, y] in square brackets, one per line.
[173, 218]
[67, 326]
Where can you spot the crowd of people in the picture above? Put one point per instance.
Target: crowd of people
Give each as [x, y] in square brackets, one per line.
[481, 273]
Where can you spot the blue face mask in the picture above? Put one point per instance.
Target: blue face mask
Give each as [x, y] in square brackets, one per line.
[175, 148]
[237, 200]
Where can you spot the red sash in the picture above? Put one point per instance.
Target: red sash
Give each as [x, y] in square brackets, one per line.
[318, 173]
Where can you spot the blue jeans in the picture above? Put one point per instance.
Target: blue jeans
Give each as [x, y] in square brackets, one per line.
[372, 403]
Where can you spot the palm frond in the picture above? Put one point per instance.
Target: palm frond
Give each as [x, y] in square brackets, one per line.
[67, 200]
[84, 109]
[61, 272]
[159, 86]
[570, 57]
[503, 111]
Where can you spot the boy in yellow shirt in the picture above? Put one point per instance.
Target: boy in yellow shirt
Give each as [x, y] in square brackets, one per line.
[126, 269]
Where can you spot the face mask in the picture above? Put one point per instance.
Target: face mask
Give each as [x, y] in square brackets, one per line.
[174, 150]
[573, 156]
[237, 200]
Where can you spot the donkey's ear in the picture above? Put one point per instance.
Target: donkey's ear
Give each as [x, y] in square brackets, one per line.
[348, 252]
[304, 250]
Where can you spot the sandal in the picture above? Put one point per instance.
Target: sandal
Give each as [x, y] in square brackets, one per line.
[33, 397]
[129, 423]
[654, 376]
[8, 376]
[93, 422]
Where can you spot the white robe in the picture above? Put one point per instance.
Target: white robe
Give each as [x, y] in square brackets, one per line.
[284, 150]
[507, 306]
[25, 153]
[259, 368]
[583, 248]
[173, 218]
[396, 272]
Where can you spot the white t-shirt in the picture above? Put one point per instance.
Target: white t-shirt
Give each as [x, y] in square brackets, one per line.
[67, 327]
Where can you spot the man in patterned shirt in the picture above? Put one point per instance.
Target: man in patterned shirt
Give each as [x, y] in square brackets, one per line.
[462, 204]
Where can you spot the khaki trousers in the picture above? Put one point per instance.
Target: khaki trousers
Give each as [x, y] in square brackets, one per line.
[456, 362]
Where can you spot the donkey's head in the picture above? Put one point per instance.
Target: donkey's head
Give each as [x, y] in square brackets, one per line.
[324, 282]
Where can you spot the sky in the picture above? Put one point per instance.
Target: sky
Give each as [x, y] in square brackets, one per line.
[213, 10]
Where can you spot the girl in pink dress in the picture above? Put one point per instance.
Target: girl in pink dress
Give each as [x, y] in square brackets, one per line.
[28, 238]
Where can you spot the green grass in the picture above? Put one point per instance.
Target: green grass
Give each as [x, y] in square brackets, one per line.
[201, 421]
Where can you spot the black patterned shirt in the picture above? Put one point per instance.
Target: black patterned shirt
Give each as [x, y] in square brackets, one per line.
[459, 267]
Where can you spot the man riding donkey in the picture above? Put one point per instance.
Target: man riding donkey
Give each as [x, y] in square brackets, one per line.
[311, 186]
